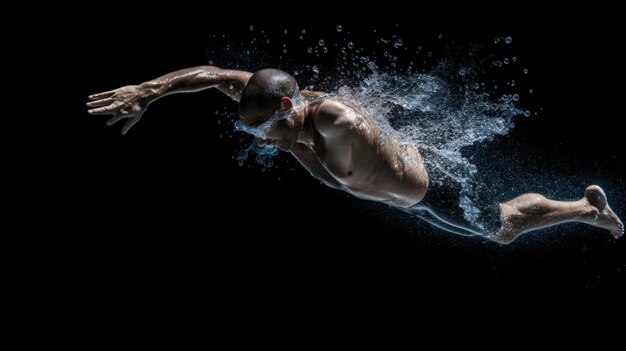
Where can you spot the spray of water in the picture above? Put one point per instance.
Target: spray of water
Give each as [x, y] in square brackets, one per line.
[264, 155]
[441, 112]
[437, 117]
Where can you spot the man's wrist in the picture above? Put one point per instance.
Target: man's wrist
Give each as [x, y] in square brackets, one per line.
[150, 91]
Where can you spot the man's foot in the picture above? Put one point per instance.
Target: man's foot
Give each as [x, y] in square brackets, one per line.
[606, 217]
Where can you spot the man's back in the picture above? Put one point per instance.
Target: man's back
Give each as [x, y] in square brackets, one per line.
[348, 150]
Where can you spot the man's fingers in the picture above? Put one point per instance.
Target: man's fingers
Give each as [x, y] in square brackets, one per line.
[115, 119]
[131, 122]
[99, 96]
[99, 103]
[106, 110]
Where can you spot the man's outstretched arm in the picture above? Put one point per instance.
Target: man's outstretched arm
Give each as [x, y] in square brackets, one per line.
[130, 102]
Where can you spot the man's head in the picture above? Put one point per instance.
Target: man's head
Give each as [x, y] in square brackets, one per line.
[269, 93]
[262, 96]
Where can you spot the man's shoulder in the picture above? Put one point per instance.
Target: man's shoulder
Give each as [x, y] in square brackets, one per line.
[332, 106]
[332, 115]
[331, 109]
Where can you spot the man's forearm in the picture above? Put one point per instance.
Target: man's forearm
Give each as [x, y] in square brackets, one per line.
[195, 79]
[130, 102]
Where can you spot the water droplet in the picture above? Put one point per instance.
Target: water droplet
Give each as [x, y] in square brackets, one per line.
[304, 31]
[351, 45]
[462, 71]
[527, 113]
[398, 43]
[301, 37]
[325, 49]
[506, 61]
[210, 62]
[251, 28]
[284, 51]
[514, 58]
[310, 50]
[525, 71]
[531, 91]
[515, 97]
[508, 40]
[440, 36]
[429, 54]
[285, 31]
[315, 70]
[321, 42]
[339, 28]
[497, 63]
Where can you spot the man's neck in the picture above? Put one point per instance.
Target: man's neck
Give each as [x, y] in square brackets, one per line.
[306, 134]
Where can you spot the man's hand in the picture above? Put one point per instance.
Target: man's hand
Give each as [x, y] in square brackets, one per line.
[128, 102]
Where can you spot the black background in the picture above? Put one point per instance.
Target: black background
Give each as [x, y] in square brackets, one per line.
[166, 217]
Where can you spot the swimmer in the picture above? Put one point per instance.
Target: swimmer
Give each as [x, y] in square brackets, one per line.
[342, 146]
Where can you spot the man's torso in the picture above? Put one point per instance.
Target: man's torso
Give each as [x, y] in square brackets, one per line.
[361, 159]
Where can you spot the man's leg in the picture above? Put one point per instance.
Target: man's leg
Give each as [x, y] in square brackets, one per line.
[533, 211]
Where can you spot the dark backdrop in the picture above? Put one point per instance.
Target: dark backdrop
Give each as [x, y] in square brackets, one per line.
[168, 217]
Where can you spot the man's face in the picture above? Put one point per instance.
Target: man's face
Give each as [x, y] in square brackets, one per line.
[277, 130]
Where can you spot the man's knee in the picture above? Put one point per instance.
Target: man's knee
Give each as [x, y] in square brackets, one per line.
[509, 230]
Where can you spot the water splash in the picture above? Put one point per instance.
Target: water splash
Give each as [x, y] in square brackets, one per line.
[264, 155]
[442, 110]
[438, 117]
